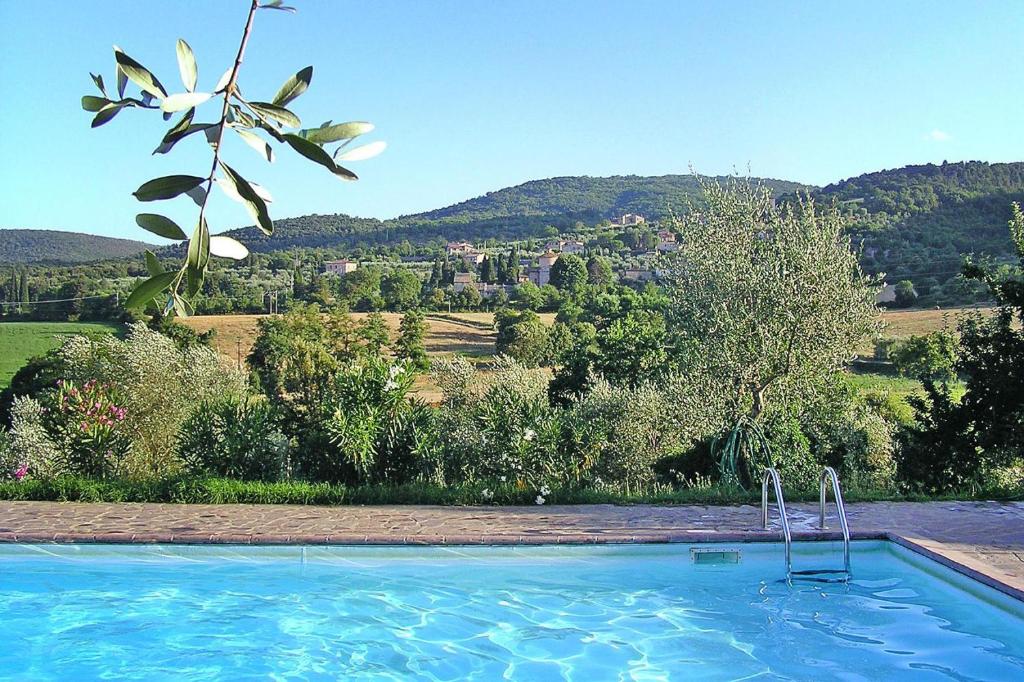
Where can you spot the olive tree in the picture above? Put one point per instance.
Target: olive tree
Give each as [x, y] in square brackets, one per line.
[248, 118]
[766, 298]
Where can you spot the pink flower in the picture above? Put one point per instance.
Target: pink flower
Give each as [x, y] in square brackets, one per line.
[85, 426]
[21, 472]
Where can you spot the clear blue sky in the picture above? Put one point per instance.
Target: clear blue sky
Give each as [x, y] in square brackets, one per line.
[475, 96]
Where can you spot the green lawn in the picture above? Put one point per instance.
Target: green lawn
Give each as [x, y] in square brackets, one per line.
[21, 340]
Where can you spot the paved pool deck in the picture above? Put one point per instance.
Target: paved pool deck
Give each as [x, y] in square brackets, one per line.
[984, 540]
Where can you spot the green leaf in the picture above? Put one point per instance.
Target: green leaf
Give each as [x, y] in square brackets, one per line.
[139, 75]
[187, 65]
[98, 80]
[183, 100]
[250, 199]
[167, 187]
[275, 113]
[293, 87]
[182, 307]
[226, 247]
[317, 154]
[153, 263]
[106, 114]
[147, 290]
[193, 280]
[257, 143]
[160, 226]
[239, 117]
[91, 103]
[277, 4]
[168, 144]
[334, 133]
[199, 247]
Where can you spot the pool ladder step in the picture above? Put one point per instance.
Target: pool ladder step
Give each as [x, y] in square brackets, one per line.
[828, 476]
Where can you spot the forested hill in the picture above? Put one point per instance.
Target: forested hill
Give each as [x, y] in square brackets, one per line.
[649, 196]
[52, 246]
[918, 222]
[510, 213]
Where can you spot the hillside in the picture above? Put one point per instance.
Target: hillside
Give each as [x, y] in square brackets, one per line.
[918, 222]
[649, 196]
[52, 246]
[511, 213]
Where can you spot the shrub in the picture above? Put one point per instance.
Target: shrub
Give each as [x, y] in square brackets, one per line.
[157, 381]
[366, 429]
[30, 447]
[499, 427]
[87, 423]
[234, 437]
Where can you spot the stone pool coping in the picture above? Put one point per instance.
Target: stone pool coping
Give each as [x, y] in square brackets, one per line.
[983, 540]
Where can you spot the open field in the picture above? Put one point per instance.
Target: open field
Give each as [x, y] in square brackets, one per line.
[236, 333]
[19, 341]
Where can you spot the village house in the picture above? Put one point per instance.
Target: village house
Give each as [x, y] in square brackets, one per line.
[458, 248]
[541, 274]
[628, 220]
[340, 267]
[638, 275]
[473, 258]
[572, 246]
[463, 280]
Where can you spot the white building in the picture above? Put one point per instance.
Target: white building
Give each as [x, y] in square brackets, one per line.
[629, 220]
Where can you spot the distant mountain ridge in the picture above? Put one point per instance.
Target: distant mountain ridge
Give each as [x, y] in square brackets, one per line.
[57, 247]
[915, 222]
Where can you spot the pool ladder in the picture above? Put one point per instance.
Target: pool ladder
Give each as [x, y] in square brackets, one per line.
[828, 475]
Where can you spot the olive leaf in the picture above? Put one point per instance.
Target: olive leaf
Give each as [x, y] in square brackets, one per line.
[91, 103]
[98, 80]
[153, 263]
[250, 199]
[199, 247]
[160, 226]
[257, 143]
[139, 74]
[275, 113]
[106, 114]
[146, 290]
[333, 133]
[187, 65]
[293, 87]
[317, 154]
[226, 247]
[361, 153]
[167, 187]
[183, 100]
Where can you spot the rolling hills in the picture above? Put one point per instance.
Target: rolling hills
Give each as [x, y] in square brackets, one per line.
[53, 246]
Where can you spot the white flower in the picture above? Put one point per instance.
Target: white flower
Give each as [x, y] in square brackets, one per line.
[529, 434]
[391, 385]
[502, 479]
[539, 500]
[487, 494]
[394, 371]
[544, 490]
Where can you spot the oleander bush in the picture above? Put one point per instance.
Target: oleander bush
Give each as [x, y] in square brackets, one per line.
[234, 437]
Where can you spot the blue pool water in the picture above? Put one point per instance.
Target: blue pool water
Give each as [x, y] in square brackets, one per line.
[79, 612]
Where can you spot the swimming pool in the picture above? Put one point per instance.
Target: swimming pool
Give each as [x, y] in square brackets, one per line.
[526, 613]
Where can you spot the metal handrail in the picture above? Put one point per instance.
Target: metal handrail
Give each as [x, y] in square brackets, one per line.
[829, 474]
[770, 474]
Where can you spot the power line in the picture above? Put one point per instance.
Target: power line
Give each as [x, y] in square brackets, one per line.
[55, 300]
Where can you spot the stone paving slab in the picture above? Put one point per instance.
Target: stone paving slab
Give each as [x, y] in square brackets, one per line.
[982, 539]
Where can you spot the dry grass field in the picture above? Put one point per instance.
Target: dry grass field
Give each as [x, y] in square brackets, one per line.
[236, 333]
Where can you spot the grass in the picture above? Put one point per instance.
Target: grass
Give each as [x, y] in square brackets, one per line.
[19, 341]
[227, 491]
